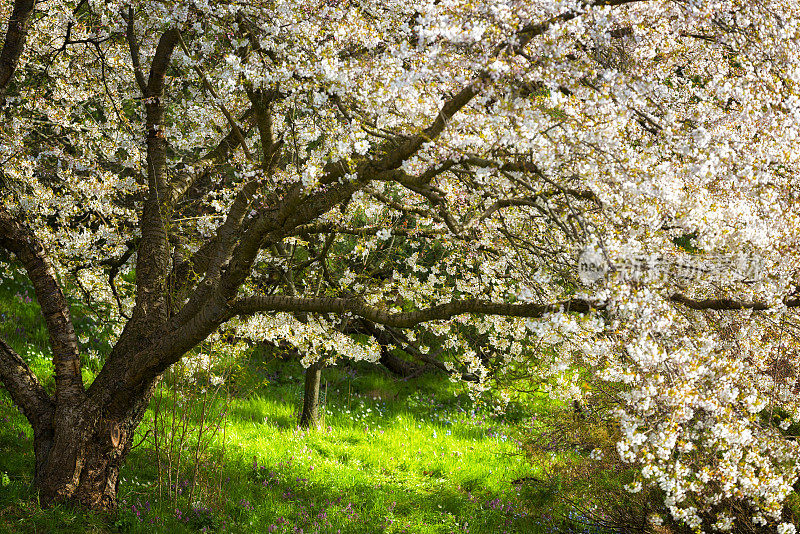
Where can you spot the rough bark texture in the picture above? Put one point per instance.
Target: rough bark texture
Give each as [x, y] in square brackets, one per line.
[80, 462]
[16, 237]
[79, 457]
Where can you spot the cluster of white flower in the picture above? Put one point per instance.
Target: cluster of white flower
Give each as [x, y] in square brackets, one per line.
[630, 125]
[314, 339]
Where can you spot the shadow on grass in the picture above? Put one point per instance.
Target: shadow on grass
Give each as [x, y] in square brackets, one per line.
[359, 506]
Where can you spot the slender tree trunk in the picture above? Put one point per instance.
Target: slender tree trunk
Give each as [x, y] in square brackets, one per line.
[310, 415]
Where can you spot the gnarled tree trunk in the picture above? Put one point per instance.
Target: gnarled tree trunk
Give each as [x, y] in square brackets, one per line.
[80, 451]
[80, 460]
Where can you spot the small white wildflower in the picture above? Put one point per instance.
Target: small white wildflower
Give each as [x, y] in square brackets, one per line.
[633, 487]
[724, 523]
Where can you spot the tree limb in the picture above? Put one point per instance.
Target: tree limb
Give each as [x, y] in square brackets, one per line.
[152, 258]
[14, 43]
[26, 391]
[16, 237]
[440, 312]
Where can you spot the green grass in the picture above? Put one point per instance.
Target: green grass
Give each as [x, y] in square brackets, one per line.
[389, 457]
[417, 456]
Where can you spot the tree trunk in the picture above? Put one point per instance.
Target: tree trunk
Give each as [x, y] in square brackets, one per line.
[79, 454]
[310, 415]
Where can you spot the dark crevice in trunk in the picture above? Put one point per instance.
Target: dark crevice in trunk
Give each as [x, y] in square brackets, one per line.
[79, 455]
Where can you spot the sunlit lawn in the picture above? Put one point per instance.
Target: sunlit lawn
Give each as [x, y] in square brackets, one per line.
[390, 456]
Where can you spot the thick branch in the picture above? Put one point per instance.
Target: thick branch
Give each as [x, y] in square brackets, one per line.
[152, 258]
[158, 68]
[25, 389]
[154, 106]
[220, 249]
[14, 43]
[19, 239]
[278, 221]
[396, 157]
[440, 312]
[262, 106]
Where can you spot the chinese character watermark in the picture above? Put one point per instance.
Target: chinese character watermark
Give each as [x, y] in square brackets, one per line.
[594, 264]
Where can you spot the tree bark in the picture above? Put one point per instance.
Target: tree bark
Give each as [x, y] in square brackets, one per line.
[80, 452]
[80, 461]
[310, 416]
[17, 237]
[14, 43]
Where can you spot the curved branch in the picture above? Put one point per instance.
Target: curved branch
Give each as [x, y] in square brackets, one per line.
[27, 393]
[440, 312]
[19, 239]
